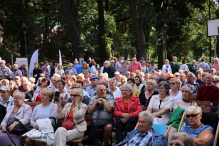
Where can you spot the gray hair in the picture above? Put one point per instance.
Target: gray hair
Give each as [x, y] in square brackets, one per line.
[112, 79]
[24, 78]
[216, 60]
[190, 73]
[76, 62]
[187, 139]
[107, 62]
[193, 108]
[124, 78]
[32, 79]
[3, 61]
[112, 61]
[210, 75]
[150, 118]
[127, 86]
[166, 86]
[167, 60]
[152, 82]
[20, 94]
[28, 83]
[78, 85]
[105, 82]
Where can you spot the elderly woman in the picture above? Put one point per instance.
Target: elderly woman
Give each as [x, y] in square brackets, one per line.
[187, 93]
[216, 64]
[127, 74]
[44, 110]
[123, 80]
[5, 82]
[181, 139]
[63, 94]
[200, 133]
[28, 92]
[176, 75]
[113, 89]
[216, 81]
[37, 96]
[193, 68]
[145, 96]
[161, 105]
[75, 113]
[126, 112]
[138, 83]
[166, 67]
[20, 111]
[174, 89]
[12, 86]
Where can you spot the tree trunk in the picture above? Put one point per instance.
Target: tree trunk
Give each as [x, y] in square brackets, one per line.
[101, 37]
[139, 33]
[72, 28]
[161, 48]
[45, 34]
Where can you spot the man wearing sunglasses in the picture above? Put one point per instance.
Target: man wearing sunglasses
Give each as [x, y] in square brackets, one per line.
[144, 135]
[101, 108]
[208, 92]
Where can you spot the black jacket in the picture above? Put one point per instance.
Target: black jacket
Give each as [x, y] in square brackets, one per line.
[110, 71]
[52, 70]
[2, 112]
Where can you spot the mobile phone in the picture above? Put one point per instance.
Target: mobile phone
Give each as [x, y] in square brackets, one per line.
[57, 94]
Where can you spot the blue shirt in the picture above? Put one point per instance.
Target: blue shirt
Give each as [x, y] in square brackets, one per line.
[84, 62]
[193, 69]
[9, 102]
[92, 69]
[91, 91]
[78, 68]
[118, 64]
[195, 132]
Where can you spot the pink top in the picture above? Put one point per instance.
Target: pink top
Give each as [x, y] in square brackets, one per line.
[134, 67]
[216, 66]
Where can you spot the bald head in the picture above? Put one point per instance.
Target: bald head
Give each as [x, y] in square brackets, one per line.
[15, 66]
[101, 91]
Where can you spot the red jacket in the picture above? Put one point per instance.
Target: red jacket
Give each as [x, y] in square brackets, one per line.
[134, 107]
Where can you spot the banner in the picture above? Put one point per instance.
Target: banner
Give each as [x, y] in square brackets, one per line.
[60, 57]
[33, 60]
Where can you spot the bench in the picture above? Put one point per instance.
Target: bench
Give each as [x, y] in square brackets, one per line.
[205, 105]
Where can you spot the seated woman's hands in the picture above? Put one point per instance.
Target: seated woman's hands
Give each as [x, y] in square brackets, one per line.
[11, 127]
[4, 129]
[36, 127]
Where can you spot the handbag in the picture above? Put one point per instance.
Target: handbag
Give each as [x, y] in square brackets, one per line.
[18, 129]
[69, 123]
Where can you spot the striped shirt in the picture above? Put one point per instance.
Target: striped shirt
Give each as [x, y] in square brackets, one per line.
[9, 102]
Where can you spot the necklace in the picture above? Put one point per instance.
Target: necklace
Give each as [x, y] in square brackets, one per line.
[187, 101]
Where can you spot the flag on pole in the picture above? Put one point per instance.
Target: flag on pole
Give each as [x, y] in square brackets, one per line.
[60, 57]
[33, 60]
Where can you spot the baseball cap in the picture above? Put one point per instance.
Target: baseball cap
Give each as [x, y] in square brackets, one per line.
[142, 58]
[152, 61]
[5, 88]
[116, 73]
[94, 77]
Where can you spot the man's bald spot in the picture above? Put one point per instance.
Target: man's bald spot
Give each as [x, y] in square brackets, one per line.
[100, 87]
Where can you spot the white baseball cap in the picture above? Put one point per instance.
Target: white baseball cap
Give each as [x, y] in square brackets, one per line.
[5, 88]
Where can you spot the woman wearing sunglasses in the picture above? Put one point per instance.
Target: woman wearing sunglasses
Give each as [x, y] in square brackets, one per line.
[200, 133]
[74, 124]
[174, 89]
[216, 81]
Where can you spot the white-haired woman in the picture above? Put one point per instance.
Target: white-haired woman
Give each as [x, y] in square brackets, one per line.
[33, 80]
[126, 112]
[145, 96]
[108, 69]
[28, 92]
[185, 102]
[181, 139]
[161, 105]
[201, 134]
[166, 67]
[19, 111]
[216, 64]
[115, 90]
[59, 69]
[75, 113]
[123, 80]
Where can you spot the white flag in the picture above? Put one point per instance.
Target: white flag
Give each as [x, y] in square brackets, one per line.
[60, 57]
[33, 60]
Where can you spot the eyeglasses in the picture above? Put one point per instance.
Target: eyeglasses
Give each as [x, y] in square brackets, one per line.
[176, 75]
[175, 144]
[215, 81]
[74, 95]
[192, 115]
[172, 83]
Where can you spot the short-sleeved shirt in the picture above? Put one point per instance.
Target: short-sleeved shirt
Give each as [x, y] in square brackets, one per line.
[195, 132]
[166, 103]
[9, 102]
[91, 91]
[104, 116]
[44, 68]
[134, 67]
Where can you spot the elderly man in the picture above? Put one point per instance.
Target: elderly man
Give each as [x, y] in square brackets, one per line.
[17, 80]
[78, 67]
[21, 88]
[53, 83]
[5, 99]
[93, 88]
[145, 135]
[182, 78]
[16, 72]
[45, 69]
[113, 65]
[108, 69]
[4, 71]
[203, 65]
[71, 70]
[190, 81]
[174, 65]
[101, 109]
[23, 69]
[135, 65]
[208, 92]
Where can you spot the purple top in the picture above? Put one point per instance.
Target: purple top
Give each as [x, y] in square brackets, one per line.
[44, 68]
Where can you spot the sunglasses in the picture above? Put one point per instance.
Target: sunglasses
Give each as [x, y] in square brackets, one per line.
[175, 144]
[172, 83]
[176, 75]
[192, 115]
[74, 95]
[103, 90]
[215, 81]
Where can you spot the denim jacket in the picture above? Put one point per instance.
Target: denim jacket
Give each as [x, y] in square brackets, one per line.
[157, 139]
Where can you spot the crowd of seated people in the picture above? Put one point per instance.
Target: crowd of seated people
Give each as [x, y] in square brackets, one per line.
[131, 99]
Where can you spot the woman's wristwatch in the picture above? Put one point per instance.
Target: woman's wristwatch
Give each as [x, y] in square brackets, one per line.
[104, 100]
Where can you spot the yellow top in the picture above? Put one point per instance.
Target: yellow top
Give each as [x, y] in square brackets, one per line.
[136, 92]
